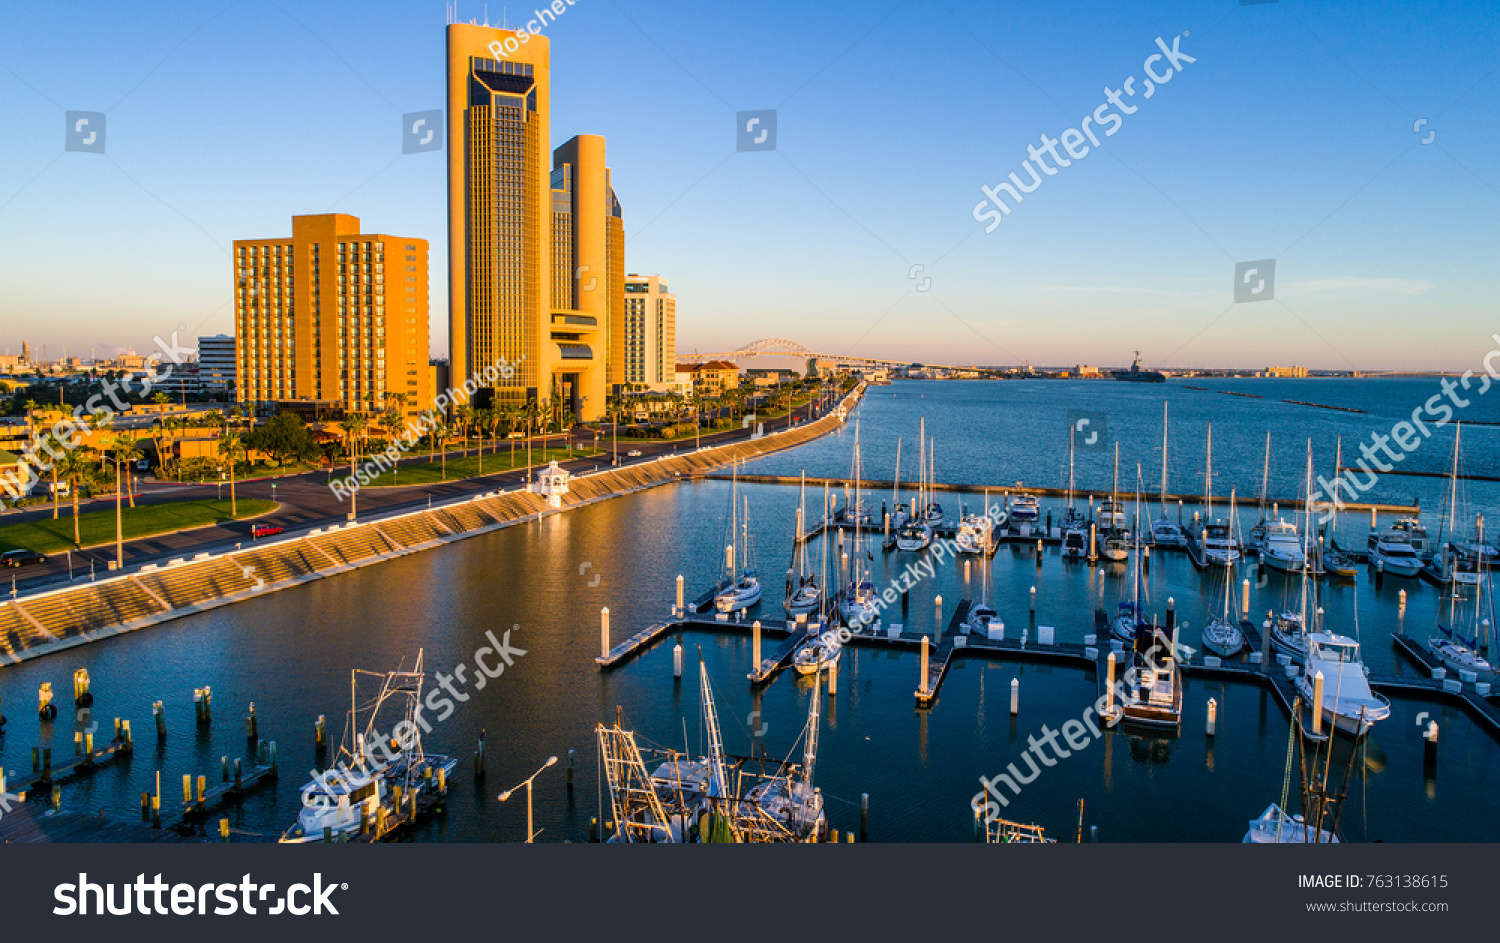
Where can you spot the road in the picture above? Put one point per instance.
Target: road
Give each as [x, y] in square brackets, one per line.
[307, 502]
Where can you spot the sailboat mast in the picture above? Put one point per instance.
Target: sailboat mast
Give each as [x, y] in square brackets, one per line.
[1229, 566]
[1071, 431]
[896, 486]
[1163, 458]
[1208, 473]
[1265, 476]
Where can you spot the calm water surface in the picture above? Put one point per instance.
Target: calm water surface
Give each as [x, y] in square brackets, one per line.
[290, 652]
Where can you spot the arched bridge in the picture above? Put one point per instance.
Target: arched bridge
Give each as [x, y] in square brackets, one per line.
[783, 347]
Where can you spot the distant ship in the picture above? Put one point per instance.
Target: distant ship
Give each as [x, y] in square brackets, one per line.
[1136, 375]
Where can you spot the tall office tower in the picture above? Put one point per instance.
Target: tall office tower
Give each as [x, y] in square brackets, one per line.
[332, 317]
[588, 253]
[650, 333]
[509, 298]
[25, 352]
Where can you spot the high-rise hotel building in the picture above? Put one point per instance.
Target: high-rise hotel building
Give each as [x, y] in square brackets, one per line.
[649, 341]
[332, 316]
[536, 256]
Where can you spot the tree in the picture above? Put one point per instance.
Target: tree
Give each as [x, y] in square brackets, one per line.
[231, 444]
[285, 438]
[75, 469]
[440, 434]
[130, 453]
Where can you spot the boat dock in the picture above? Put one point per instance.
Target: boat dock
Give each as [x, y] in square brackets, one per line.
[44, 774]
[1037, 644]
[1081, 495]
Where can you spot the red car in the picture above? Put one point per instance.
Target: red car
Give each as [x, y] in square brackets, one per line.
[265, 530]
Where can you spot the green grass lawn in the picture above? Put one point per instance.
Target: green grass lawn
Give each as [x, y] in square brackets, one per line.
[98, 526]
[426, 473]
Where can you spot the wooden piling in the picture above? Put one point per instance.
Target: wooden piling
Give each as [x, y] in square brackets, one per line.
[479, 752]
[680, 606]
[160, 713]
[1213, 716]
[1015, 696]
[677, 661]
[755, 647]
[1245, 598]
[251, 727]
[833, 679]
[604, 632]
[864, 814]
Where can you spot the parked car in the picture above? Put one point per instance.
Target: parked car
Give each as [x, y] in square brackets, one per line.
[633, 453]
[19, 558]
[265, 530]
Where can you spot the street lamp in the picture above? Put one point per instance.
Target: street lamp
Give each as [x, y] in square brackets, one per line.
[505, 797]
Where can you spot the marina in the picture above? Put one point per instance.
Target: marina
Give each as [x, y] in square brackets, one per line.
[584, 663]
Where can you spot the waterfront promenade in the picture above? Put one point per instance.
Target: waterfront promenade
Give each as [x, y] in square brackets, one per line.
[194, 580]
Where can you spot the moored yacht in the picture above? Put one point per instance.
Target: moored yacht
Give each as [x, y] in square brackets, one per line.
[1281, 547]
[1347, 700]
[1024, 509]
[1392, 553]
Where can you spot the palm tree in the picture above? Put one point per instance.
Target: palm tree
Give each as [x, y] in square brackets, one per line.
[127, 446]
[440, 433]
[75, 470]
[231, 444]
[464, 414]
[353, 424]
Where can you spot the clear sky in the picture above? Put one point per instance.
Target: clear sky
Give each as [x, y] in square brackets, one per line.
[1289, 138]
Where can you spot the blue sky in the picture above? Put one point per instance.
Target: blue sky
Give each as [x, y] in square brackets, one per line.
[1290, 138]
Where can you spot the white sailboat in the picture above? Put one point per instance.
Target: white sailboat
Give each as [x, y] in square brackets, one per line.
[803, 590]
[916, 533]
[976, 532]
[743, 589]
[1222, 635]
[1074, 527]
[1469, 648]
[1113, 537]
[982, 620]
[1165, 532]
[856, 601]
[1458, 560]
[1216, 542]
[1290, 629]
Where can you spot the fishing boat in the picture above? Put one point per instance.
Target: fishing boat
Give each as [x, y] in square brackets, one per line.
[804, 592]
[1221, 634]
[1347, 701]
[788, 797]
[376, 778]
[743, 588]
[1322, 793]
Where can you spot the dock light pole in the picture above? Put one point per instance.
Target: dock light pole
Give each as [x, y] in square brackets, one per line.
[505, 797]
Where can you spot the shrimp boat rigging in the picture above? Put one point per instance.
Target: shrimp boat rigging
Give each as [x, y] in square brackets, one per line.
[362, 790]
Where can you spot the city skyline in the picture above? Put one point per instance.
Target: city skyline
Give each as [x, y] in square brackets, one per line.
[1337, 142]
